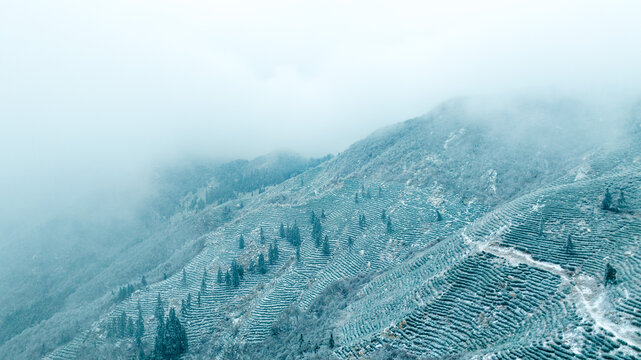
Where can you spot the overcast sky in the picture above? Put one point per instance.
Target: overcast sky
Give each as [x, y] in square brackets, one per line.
[93, 91]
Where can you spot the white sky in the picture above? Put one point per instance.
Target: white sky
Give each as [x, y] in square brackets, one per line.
[93, 91]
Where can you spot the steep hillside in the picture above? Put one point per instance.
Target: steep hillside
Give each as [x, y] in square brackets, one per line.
[453, 234]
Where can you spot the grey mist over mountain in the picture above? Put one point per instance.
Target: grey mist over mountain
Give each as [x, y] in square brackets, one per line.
[198, 180]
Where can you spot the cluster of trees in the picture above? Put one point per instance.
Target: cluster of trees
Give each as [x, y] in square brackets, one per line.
[124, 326]
[232, 276]
[388, 219]
[317, 232]
[609, 204]
[125, 291]
[290, 233]
[366, 193]
[361, 220]
[171, 337]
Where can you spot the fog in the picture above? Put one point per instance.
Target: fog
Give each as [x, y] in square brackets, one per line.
[93, 95]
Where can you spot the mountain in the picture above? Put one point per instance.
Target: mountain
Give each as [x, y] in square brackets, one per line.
[479, 230]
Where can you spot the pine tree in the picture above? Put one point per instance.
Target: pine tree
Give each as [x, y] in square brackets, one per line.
[610, 275]
[140, 326]
[606, 203]
[235, 276]
[331, 341]
[175, 337]
[189, 301]
[326, 246]
[241, 242]
[389, 225]
[122, 324]
[183, 307]
[383, 215]
[143, 281]
[350, 241]
[380, 191]
[438, 216]
[261, 264]
[569, 245]
[203, 284]
[130, 327]
[228, 278]
[219, 277]
[184, 277]
[356, 198]
[275, 250]
[262, 235]
[160, 346]
[312, 218]
[317, 233]
[322, 213]
[270, 253]
[159, 313]
[298, 253]
[281, 231]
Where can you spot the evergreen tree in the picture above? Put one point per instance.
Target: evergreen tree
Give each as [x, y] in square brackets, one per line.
[143, 281]
[298, 253]
[389, 225]
[569, 245]
[241, 242]
[184, 280]
[189, 301]
[606, 203]
[203, 284]
[438, 216]
[159, 313]
[241, 272]
[275, 250]
[262, 235]
[331, 341]
[350, 241]
[281, 231]
[176, 337]
[140, 326]
[228, 278]
[235, 276]
[219, 277]
[261, 264]
[270, 254]
[122, 324]
[317, 233]
[183, 307]
[383, 215]
[356, 198]
[322, 213]
[131, 328]
[164, 276]
[380, 191]
[312, 219]
[610, 275]
[326, 246]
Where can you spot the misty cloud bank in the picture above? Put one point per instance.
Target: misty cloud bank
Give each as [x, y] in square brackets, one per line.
[94, 96]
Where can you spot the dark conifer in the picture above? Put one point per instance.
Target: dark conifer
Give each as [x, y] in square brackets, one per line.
[610, 275]
[262, 268]
[241, 242]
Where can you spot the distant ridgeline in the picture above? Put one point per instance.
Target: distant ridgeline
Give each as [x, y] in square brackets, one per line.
[438, 237]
